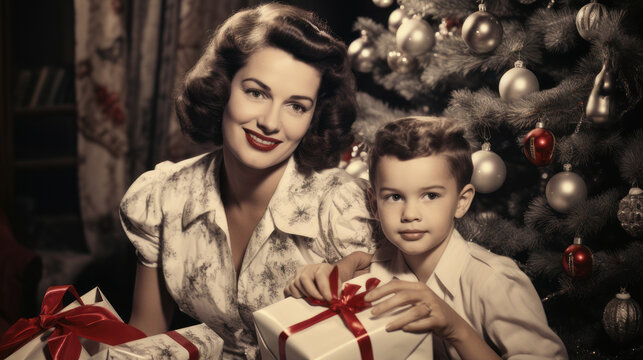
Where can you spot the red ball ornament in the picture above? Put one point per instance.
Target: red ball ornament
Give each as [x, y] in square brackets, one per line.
[578, 259]
[539, 145]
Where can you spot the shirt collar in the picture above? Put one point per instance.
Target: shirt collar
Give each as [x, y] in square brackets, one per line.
[447, 271]
[290, 207]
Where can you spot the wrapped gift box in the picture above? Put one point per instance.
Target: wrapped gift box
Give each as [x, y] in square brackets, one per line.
[207, 344]
[330, 338]
[37, 347]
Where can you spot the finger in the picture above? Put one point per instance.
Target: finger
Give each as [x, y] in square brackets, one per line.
[415, 313]
[402, 298]
[292, 290]
[390, 288]
[299, 288]
[421, 325]
[321, 278]
[311, 289]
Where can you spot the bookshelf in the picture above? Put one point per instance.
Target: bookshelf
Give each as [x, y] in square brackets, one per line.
[39, 126]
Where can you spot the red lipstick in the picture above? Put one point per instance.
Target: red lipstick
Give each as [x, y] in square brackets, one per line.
[261, 142]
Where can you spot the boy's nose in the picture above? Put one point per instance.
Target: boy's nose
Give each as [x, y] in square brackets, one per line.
[269, 122]
[410, 213]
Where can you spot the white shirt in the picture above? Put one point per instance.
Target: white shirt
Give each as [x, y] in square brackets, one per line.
[490, 292]
[175, 218]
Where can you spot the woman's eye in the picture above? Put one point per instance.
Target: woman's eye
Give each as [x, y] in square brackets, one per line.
[431, 196]
[255, 93]
[300, 109]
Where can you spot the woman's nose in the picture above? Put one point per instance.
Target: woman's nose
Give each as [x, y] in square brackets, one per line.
[269, 122]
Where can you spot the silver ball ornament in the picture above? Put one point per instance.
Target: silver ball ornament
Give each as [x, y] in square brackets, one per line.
[362, 54]
[401, 63]
[588, 20]
[517, 82]
[383, 3]
[481, 31]
[565, 190]
[489, 171]
[396, 18]
[622, 318]
[415, 37]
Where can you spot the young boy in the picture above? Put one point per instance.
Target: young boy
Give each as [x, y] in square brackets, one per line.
[477, 304]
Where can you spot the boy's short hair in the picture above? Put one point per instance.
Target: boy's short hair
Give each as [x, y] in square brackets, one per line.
[420, 136]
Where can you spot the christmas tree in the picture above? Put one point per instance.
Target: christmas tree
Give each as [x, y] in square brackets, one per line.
[550, 92]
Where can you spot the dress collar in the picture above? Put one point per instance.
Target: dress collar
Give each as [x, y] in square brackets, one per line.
[290, 208]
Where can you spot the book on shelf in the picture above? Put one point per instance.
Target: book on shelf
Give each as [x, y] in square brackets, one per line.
[49, 96]
[44, 80]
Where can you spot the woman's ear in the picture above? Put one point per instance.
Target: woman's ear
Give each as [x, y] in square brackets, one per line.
[372, 202]
[464, 200]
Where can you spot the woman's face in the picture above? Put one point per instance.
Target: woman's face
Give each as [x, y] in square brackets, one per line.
[272, 100]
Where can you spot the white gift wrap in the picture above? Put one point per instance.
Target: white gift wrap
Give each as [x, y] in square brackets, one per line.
[37, 349]
[331, 339]
[162, 346]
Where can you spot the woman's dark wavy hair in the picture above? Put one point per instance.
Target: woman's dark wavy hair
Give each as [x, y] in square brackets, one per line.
[206, 89]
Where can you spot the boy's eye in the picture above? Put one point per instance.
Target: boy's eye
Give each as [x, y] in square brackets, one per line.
[431, 195]
[393, 197]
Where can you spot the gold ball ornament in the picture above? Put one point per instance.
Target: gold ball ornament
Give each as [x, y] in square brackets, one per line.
[362, 53]
[396, 18]
[630, 212]
[517, 82]
[565, 190]
[588, 20]
[401, 63]
[489, 171]
[622, 318]
[415, 37]
[481, 31]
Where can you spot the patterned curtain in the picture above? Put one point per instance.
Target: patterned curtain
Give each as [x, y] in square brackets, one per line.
[130, 55]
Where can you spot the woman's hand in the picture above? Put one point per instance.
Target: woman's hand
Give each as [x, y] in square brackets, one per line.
[312, 280]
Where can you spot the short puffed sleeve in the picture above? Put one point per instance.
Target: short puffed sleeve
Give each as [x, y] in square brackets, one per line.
[141, 216]
[345, 221]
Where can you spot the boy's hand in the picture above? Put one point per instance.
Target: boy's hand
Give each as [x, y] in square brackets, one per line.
[428, 313]
[312, 280]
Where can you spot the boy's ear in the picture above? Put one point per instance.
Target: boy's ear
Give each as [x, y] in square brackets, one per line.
[372, 202]
[464, 200]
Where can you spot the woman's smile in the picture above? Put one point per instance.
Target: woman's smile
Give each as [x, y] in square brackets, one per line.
[260, 142]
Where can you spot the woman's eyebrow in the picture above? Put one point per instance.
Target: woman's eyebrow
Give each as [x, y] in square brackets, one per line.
[258, 82]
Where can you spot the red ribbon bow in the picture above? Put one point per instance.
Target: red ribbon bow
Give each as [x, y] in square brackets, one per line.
[89, 321]
[346, 307]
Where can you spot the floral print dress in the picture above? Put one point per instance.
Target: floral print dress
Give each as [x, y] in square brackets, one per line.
[175, 219]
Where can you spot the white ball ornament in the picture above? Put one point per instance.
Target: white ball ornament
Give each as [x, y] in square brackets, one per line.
[396, 18]
[565, 190]
[517, 82]
[415, 37]
[481, 31]
[489, 171]
[383, 3]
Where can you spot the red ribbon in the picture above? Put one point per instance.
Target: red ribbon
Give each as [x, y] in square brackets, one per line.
[346, 307]
[89, 321]
[193, 351]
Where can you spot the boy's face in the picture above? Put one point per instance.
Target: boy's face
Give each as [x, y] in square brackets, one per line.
[416, 202]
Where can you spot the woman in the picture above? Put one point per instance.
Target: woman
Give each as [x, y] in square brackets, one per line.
[220, 234]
